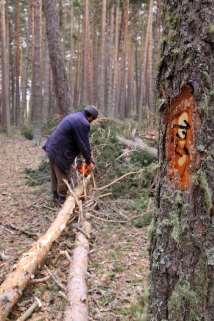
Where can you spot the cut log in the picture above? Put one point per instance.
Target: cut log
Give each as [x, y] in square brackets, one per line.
[12, 288]
[139, 144]
[77, 309]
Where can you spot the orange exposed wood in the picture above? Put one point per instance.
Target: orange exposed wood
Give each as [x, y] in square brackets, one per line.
[182, 123]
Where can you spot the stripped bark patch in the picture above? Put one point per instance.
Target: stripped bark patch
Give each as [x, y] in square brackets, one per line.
[182, 125]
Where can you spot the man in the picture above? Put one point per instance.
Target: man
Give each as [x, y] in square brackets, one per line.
[69, 139]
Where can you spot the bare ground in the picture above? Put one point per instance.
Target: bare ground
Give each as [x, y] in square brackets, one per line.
[118, 258]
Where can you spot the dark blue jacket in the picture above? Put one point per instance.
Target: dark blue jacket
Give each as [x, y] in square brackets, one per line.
[69, 139]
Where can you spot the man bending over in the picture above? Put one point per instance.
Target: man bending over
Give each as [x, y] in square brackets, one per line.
[69, 139]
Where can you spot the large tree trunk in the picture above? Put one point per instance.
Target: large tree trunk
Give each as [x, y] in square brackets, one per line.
[182, 238]
[12, 288]
[77, 309]
[60, 78]
[5, 69]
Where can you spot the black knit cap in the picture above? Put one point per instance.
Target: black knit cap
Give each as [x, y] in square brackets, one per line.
[91, 110]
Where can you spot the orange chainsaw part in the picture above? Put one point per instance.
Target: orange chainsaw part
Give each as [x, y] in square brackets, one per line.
[85, 169]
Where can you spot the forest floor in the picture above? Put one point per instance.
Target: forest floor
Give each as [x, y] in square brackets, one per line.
[118, 265]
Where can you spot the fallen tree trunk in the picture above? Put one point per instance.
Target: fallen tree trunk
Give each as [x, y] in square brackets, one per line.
[139, 144]
[77, 287]
[12, 288]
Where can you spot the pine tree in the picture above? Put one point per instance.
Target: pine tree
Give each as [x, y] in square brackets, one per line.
[5, 69]
[182, 235]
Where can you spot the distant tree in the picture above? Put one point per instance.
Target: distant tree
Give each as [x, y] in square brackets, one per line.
[17, 63]
[87, 58]
[182, 235]
[37, 72]
[116, 63]
[27, 64]
[146, 93]
[60, 78]
[101, 82]
[124, 33]
[5, 69]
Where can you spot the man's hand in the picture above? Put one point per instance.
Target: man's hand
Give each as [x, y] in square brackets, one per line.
[92, 165]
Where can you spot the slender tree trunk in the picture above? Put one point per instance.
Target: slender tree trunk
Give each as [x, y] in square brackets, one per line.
[27, 65]
[116, 63]
[46, 83]
[146, 93]
[72, 50]
[182, 235]
[130, 82]
[101, 83]
[86, 52]
[37, 74]
[5, 69]
[87, 58]
[12, 76]
[60, 78]
[110, 62]
[17, 64]
[124, 64]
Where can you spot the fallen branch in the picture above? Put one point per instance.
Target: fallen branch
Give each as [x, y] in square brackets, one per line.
[30, 310]
[12, 288]
[139, 144]
[106, 220]
[104, 195]
[55, 279]
[118, 180]
[41, 280]
[77, 310]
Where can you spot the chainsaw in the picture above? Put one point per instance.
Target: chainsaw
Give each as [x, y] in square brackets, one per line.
[84, 169]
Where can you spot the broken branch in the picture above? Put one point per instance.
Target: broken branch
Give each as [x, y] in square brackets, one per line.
[30, 310]
[118, 180]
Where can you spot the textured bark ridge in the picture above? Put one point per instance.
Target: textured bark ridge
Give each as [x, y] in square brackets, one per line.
[182, 123]
[182, 232]
[60, 78]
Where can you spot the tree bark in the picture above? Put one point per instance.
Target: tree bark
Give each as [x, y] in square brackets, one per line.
[12, 288]
[87, 95]
[146, 93]
[116, 63]
[46, 80]
[182, 234]
[37, 74]
[101, 83]
[110, 62]
[17, 65]
[27, 65]
[60, 78]
[5, 69]
[77, 287]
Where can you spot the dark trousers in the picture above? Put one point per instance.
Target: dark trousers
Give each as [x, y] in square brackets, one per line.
[57, 179]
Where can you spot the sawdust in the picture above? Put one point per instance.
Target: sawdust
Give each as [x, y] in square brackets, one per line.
[118, 258]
